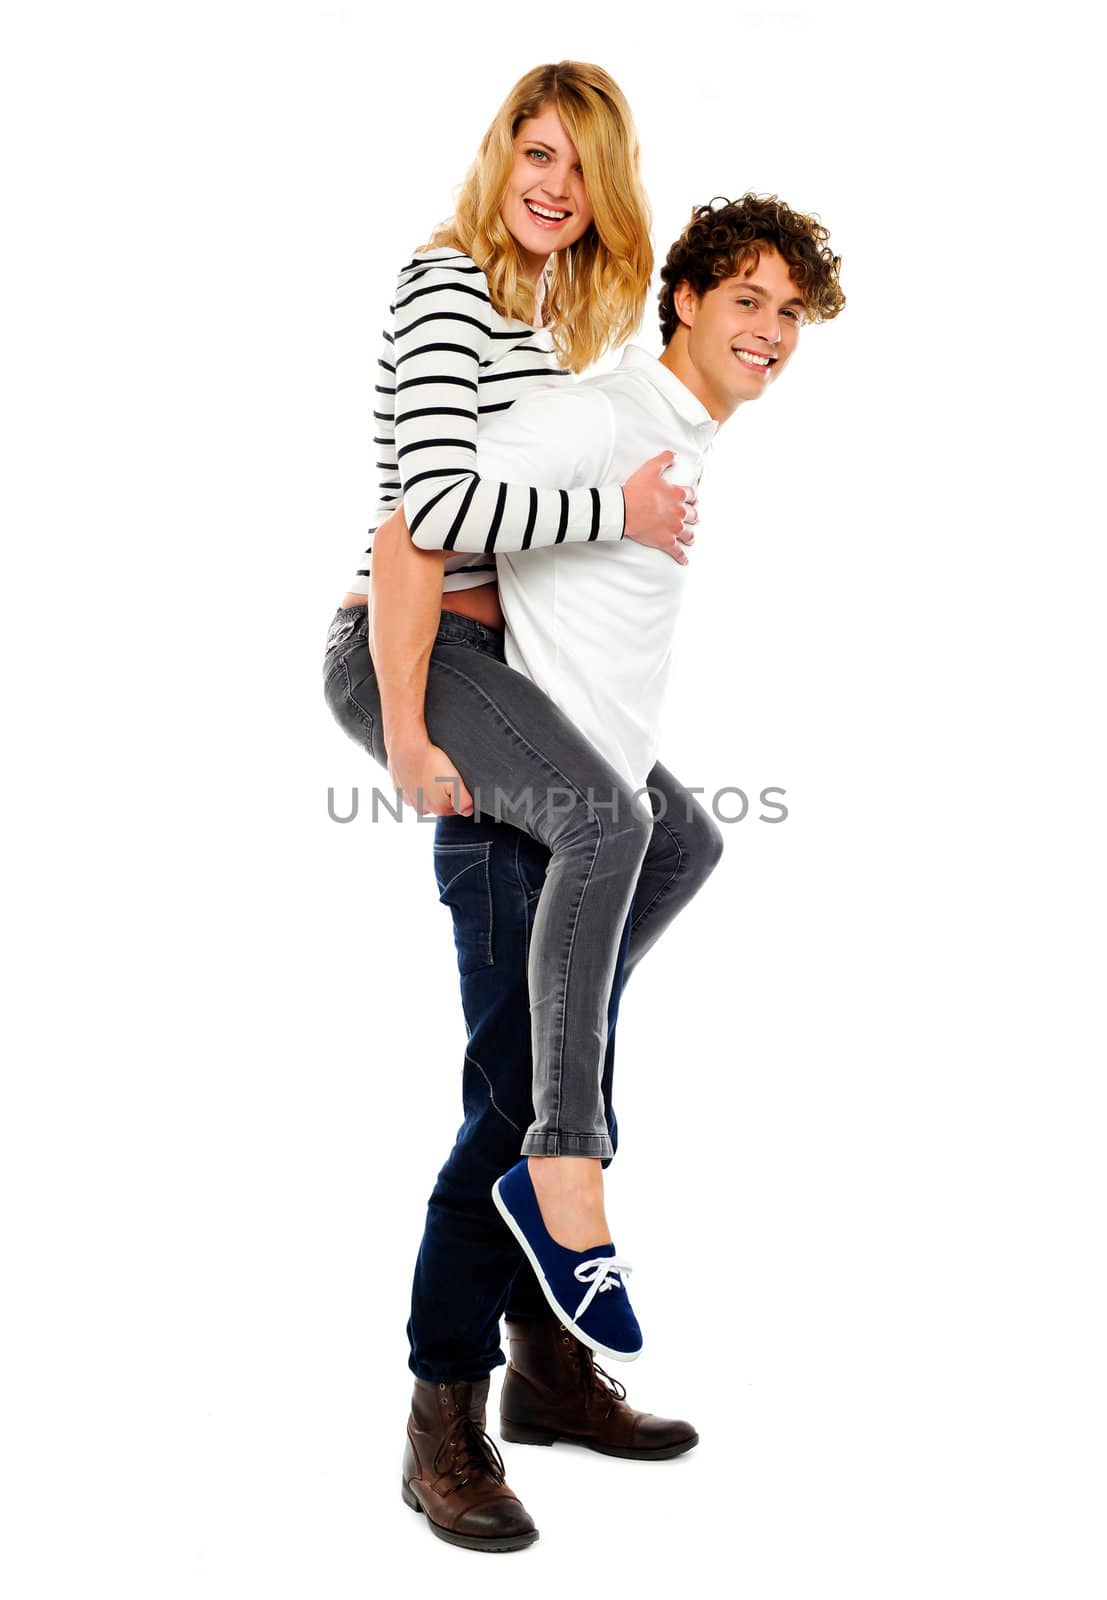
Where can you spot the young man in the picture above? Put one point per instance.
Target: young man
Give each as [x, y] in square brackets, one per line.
[593, 626]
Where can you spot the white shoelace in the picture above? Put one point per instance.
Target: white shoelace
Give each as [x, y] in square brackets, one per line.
[602, 1273]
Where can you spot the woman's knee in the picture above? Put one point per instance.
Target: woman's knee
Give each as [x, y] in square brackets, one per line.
[610, 827]
[709, 844]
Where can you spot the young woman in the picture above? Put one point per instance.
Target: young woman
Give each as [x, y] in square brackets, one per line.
[545, 265]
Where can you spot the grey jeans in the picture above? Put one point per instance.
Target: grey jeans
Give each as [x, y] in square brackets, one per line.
[526, 764]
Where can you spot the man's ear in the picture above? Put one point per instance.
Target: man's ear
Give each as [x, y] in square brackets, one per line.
[685, 302]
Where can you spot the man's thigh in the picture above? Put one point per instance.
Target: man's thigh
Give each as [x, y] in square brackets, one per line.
[490, 876]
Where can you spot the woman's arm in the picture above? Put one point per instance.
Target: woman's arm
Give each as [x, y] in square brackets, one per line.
[442, 339]
[405, 603]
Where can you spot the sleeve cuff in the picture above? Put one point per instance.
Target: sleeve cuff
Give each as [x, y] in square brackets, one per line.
[613, 512]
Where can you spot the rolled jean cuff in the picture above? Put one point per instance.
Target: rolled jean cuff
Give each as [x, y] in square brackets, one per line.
[597, 1145]
[460, 1372]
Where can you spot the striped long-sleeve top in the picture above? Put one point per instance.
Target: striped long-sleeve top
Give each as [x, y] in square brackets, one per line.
[449, 359]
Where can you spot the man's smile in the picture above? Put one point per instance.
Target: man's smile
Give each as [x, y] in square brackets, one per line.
[753, 359]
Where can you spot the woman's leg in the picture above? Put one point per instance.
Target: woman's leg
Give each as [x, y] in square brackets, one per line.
[684, 849]
[526, 764]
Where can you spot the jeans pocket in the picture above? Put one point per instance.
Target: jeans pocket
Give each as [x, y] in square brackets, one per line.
[340, 629]
[465, 885]
[344, 636]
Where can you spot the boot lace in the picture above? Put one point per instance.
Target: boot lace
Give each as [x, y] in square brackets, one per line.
[465, 1448]
[598, 1383]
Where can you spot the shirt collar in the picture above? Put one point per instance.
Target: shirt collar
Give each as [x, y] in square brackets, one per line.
[678, 394]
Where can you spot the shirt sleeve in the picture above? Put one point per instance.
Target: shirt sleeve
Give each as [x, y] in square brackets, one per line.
[442, 336]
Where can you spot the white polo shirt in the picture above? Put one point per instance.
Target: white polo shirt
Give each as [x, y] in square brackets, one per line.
[593, 624]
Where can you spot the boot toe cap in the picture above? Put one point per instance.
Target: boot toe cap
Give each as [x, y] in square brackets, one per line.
[663, 1433]
[498, 1519]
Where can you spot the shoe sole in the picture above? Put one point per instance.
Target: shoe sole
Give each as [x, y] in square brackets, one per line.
[563, 1315]
[467, 1541]
[515, 1433]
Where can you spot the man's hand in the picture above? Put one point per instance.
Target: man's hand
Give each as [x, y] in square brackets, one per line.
[421, 771]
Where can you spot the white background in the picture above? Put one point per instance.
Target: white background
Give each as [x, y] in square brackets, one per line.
[859, 1083]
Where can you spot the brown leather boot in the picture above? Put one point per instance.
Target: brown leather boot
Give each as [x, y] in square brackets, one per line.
[454, 1473]
[554, 1390]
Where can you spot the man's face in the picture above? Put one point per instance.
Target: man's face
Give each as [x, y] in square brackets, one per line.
[742, 333]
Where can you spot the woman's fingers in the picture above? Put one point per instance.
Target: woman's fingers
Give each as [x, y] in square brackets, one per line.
[428, 780]
[655, 509]
[458, 797]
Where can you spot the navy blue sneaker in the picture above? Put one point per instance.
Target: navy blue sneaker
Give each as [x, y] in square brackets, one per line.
[586, 1288]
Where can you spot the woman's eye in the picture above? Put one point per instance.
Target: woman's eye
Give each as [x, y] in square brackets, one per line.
[536, 155]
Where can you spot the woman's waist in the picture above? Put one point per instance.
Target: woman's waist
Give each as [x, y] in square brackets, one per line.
[481, 604]
[351, 624]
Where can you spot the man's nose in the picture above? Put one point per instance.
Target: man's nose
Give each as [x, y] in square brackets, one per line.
[768, 327]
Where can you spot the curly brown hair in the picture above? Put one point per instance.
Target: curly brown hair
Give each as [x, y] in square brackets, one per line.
[722, 241]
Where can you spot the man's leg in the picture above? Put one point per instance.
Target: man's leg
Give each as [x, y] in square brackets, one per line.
[467, 1257]
[491, 876]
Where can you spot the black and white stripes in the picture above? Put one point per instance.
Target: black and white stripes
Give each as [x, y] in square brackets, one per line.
[449, 360]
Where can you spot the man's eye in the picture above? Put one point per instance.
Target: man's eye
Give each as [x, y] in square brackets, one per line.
[796, 316]
[746, 302]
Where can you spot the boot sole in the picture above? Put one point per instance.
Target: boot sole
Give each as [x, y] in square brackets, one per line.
[515, 1433]
[467, 1541]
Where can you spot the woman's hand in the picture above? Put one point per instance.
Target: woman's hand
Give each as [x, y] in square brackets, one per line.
[660, 514]
[426, 777]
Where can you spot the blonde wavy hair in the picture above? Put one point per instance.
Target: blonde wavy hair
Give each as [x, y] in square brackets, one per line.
[596, 288]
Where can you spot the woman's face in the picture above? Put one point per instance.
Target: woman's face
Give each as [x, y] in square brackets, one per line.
[545, 205]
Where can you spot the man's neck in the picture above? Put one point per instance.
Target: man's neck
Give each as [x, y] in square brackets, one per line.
[675, 358]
